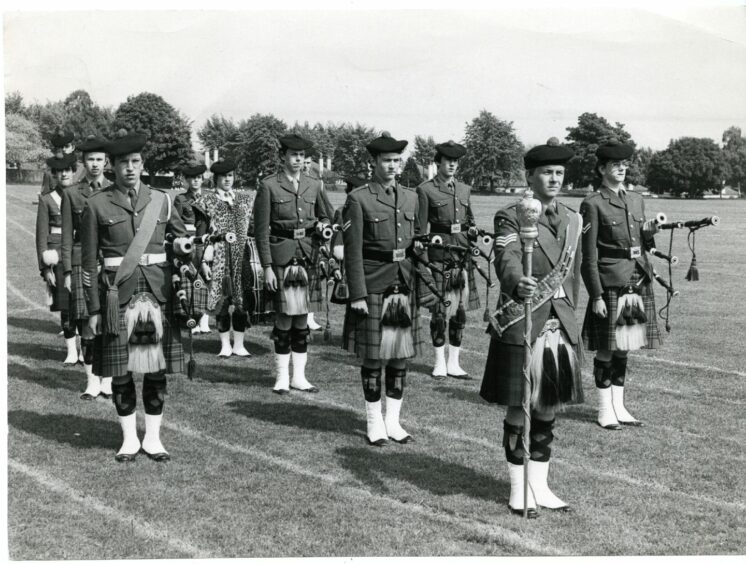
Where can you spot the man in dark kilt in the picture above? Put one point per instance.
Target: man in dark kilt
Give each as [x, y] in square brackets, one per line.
[49, 247]
[621, 313]
[74, 201]
[446, 208]
[194, 219]
[382, 324]
[289, 217]
[131, 302]
[62, 145]
[555, 338]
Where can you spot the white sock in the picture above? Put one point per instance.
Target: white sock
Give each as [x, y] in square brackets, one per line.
[204, 323]
[106, 386]
[282, 372]
[617, 401]
[516, 488]
[130, 442]
[225, 344]
[606, 416]
[238, 346]
[393, 427]
[299, 371]
[376, 428]
[72, 351]
[538, 473]
[93, 386]
[151, 442]
[440, 361]
[454, 368]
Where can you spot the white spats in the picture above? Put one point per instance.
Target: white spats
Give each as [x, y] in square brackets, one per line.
[516, 489]
[130, 442]
[299, 381]
[606, 417]
[393, 427]
[454, 368]
[225, 344]
[72, 351]
[538, 472]
[106, 386]
[440, 370]
[282, 374]
[376, 428]
[238, 347]
[617, 400]
[151, 442]
[204, 323]
[312, 325]
[93, 385]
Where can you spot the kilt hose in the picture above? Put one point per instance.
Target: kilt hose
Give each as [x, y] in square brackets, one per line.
[600, 333]
[473, 303]
[315, 295]
[503, 374]
[111, 352]
[362, 333]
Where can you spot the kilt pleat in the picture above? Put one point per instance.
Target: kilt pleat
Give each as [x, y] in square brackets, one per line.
[474, 303]
[600, 333]
[78, 307]
[362, 333]
[112, 353]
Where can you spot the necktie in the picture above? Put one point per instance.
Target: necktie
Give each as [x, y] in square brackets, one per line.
[295, 185]
[553, 218]
[133, 197]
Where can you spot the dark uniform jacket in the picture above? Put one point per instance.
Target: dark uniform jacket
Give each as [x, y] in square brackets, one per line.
[610, 228]
[191, 213]
[74, 201]
[48, 181]
[547, 251]
[374, 220]
[279, 208]
[442, 207]
[48, 219]
[108, 226]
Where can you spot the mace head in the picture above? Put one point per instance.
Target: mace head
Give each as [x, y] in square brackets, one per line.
[529, 210]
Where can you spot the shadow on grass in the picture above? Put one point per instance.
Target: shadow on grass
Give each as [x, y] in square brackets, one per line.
[583, 413]
[375, 467]
[79, 432]
[53, 355]
[34, 325]
[237, 371]
[70, 379]
[469, 395]
[303, 416]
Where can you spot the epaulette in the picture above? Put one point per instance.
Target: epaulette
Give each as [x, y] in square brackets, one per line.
[568, 207]
[97, 193]
[592, 195]
[358, 188]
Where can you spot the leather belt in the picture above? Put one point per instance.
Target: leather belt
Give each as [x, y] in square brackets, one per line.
[299, 233]
[446, 228]
[145, 260]
[395, 255]
[628, 253]
[55, 230]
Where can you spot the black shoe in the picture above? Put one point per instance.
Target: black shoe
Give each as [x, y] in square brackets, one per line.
[125, 457]
[634, 423]
[105, 396]
[158, 456]
[378, 443]
[563, 509]
[280, 392]
[610, 427]
[438, 378]
[311, 390]
[531, 513]
[88, 397]
[460, 377]
[405, 440]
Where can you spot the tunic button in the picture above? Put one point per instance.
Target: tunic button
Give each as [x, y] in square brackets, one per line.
[399, 239]
[110, 221]
[135, 214]
[398, 224]
[397, 211]
[376, 220]
[456, 209]
[300, 209]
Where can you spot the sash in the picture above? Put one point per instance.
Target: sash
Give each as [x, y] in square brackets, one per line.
[512, 311]
[131, 259]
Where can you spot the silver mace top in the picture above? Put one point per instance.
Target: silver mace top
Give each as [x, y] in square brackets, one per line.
[529, 210]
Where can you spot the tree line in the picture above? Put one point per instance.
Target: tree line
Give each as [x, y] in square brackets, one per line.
[688, 166]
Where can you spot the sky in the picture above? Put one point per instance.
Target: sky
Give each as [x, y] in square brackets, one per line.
[664, 70]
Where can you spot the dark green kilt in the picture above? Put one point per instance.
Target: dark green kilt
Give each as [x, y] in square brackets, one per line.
[473, 293]
[315, 296]
[78, 307]
[111, 354]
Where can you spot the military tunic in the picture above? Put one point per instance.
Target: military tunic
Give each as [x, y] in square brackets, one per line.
[108, 227]
[503, 373]
[279, 213]
[612, 230]
[375, 225]
[49, 237]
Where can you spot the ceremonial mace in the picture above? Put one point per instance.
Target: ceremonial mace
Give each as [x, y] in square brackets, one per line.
[528, 210]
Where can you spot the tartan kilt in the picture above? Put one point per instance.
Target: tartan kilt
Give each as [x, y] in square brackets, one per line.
[78, 307]
[473, 293]
[111, 352]
[362, 333]
[502, 382]
[200, 295]
[600, 333]
[255, 295]
[315, 298]
[60, 294]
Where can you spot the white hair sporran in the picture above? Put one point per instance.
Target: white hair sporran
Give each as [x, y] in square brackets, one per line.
[144, 333]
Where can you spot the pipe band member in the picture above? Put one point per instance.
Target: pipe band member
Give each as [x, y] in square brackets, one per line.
[621, 313]
[227, 210]
[62, 144]
[74, 201]
[382, 325]
[289, 215]
[196, 221]
[445, 207]
[555, 338]
[131, 303]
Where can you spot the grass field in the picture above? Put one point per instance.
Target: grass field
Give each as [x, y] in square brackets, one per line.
[257, 475]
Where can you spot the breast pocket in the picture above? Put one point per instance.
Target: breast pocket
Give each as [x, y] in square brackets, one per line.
[613, 228]
[377, 228]
[116, 228]
[283, 207]
[440, 211]
[309, 206]
[408, 224]
[463, 205]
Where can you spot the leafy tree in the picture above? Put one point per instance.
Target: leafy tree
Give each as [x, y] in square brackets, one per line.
[257, 146]
[690, 165]
[48, 118]
[592, 130]
[14, 104]
[219, 133]
[83, 117]
[411, 176]
[493, 151]
[169, 133]
[321, 136]
[23, 143]
[350, 155]
[638, 170]
[734, 154]
[424, 150]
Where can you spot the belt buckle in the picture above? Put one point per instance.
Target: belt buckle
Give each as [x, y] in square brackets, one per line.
[143, 261]
[455, 228]
[398, 255]
[299, 233]
[635, 252]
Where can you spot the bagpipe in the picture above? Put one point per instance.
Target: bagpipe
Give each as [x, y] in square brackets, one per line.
[660, 223]
[181, 249]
